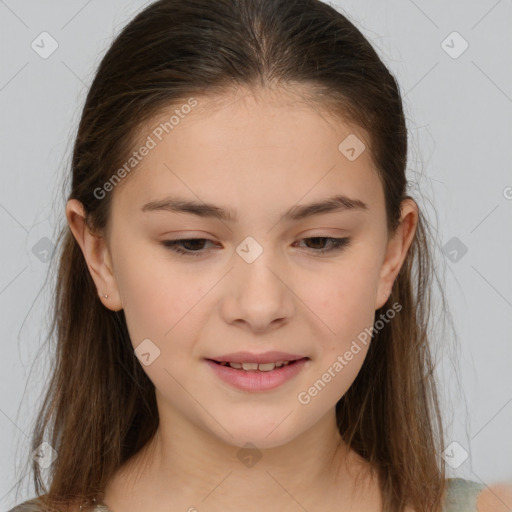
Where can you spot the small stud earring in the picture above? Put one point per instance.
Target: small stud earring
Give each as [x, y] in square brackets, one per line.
[106, 296]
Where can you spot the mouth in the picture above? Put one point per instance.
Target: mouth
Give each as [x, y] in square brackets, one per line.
[257, 377]
[258, 367]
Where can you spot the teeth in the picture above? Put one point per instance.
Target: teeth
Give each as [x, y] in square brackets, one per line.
[266, 367]
[250, 366]
[263, 367]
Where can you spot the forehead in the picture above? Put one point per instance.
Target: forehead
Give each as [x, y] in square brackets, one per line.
[251, 149]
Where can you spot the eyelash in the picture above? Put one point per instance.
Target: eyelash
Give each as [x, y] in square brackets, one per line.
[173, 245]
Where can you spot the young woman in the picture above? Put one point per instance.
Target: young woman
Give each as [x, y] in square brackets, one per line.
[243, 297]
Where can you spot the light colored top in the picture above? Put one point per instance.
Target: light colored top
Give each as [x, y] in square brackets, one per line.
[461, 496]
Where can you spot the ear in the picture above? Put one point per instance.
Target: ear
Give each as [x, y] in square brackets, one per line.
[97, 255]
[397, 249]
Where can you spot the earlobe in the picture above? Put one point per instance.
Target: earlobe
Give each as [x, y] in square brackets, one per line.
[97, 255]
[397, 249]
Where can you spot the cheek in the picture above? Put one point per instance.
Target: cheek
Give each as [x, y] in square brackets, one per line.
[344, 300]
[154, 295]
[346, 312]
[162, 302]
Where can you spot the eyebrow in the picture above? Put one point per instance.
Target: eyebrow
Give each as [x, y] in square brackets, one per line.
[337, 203]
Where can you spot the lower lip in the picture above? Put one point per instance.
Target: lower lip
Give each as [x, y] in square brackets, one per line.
[257, 380]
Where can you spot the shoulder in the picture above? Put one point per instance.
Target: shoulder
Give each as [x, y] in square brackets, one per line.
[35, 505]
[469, 496]
[495, 498]
[461, 495]
[28, 506]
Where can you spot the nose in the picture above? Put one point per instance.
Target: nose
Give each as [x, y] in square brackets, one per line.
[259, 296]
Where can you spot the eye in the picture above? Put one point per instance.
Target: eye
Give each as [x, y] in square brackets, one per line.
[175, 245]
[337, 243]
[195, 245]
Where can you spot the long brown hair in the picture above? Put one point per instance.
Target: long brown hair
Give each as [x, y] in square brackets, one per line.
[100, 409]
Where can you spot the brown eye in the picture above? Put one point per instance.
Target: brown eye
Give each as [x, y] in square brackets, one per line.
[337, 244]
[193, 249]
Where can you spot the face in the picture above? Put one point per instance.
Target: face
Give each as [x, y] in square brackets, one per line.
[267, 276]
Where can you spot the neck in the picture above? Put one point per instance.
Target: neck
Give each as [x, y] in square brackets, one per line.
[186, 468]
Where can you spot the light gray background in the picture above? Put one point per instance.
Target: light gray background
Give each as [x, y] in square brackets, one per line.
[459, 112]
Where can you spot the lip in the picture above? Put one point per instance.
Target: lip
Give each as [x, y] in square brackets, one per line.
[249, 357]
[255, 381]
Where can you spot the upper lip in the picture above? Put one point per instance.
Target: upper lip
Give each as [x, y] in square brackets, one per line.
[249, 357]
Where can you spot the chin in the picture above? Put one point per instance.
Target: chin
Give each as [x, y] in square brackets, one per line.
[262, 434]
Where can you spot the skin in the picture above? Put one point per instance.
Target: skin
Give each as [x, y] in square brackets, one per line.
[496, 498]
[259, 154]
